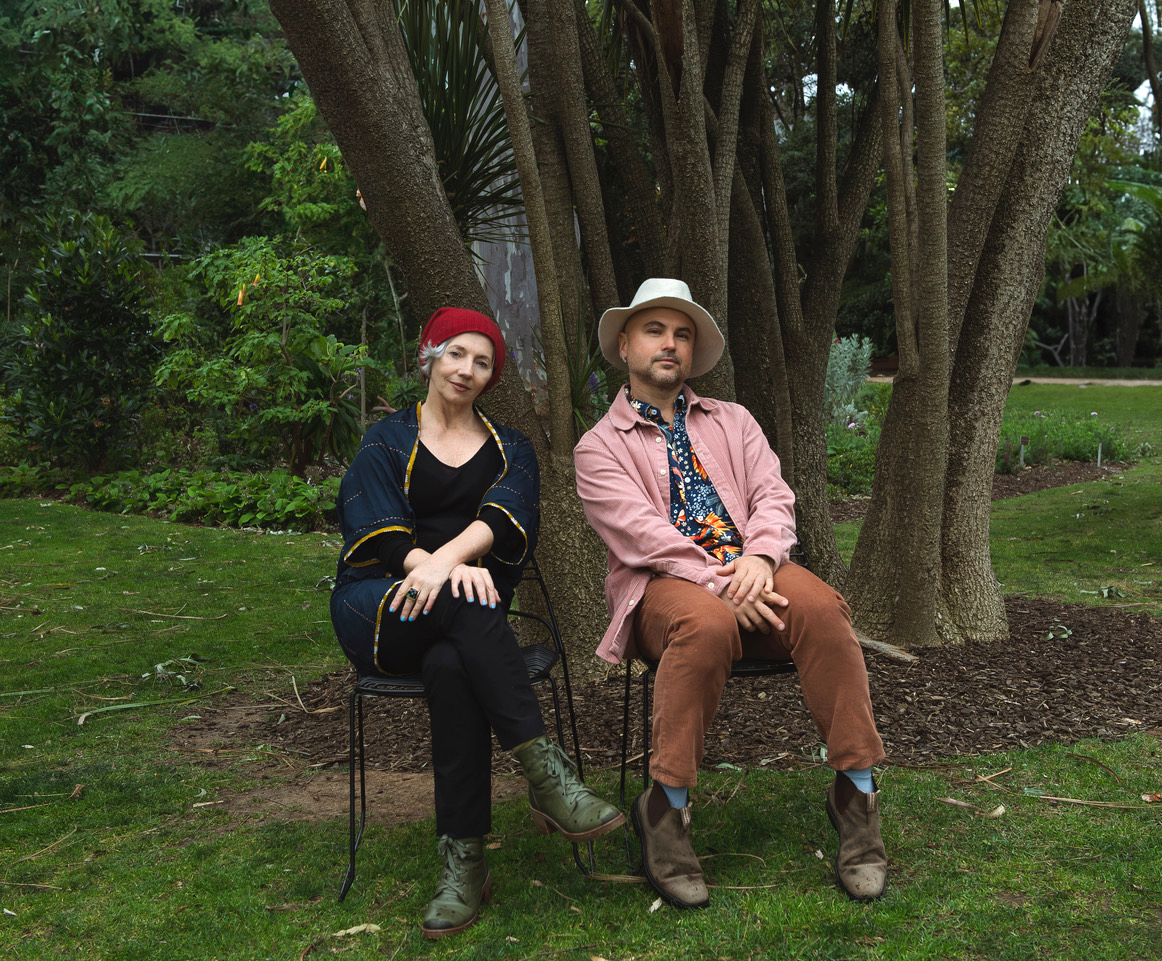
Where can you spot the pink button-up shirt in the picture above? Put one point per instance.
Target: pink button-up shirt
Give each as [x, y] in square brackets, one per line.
[624, 483]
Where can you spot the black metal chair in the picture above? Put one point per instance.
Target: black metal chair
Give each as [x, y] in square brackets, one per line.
[540, 659]
[746, 667]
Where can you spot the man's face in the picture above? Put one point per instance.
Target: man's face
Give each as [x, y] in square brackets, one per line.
[658, 346]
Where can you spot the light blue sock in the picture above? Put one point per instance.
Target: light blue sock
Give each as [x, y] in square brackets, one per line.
[862, 779]
[677, 796]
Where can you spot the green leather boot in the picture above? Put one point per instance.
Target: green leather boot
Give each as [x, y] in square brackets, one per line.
[559, 799]
[465, 884]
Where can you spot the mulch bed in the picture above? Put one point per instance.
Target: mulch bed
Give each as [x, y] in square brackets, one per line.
[1102, 680]
[1068, 672]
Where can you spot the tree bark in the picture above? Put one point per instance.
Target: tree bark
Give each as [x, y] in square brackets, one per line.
[1148, 62]
[1004, 284]
[894, 583]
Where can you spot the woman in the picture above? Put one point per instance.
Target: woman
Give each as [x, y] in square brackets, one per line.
[439, 511]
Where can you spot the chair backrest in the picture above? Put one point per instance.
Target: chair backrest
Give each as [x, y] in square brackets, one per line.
[548, 620]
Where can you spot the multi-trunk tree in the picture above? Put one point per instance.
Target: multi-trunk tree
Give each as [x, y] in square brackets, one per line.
[658, 133]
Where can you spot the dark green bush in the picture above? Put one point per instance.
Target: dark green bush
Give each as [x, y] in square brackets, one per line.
[271, 500]
[79, 371]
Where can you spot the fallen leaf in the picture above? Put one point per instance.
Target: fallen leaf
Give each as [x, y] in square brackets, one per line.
[657, 904]
[994, 813]
[358, 929]
[1151, 798]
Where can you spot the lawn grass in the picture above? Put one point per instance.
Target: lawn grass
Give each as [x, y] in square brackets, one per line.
[111, 845]
[1091, 373]
[1137, 411]
[1096, 543]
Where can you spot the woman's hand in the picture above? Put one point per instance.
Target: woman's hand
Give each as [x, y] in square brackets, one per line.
[418, 591]
[476, 582]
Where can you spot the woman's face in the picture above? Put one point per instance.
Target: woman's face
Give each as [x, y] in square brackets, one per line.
[465, 368]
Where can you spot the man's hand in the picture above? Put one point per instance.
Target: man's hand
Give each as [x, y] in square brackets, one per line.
[759, 615]
[751, 576]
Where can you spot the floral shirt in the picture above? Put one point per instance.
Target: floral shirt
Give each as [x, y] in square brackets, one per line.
[696, 510]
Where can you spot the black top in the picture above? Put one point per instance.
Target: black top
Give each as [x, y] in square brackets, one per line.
[445, 501]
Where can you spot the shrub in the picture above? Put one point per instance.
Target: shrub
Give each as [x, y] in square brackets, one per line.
[847, 369]
[271, 500]
[79, 372]
[284, 382]
[851, 459]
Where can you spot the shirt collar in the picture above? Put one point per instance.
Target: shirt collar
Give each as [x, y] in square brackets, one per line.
[653, 414]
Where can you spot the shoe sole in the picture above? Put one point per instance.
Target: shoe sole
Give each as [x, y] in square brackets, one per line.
[665, 895]
[546, 825]
[862, 898]
[434, 934]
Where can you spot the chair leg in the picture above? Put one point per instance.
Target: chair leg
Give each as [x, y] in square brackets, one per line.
[355, 729]
[625, 729]
[646, 718]
[572, 716]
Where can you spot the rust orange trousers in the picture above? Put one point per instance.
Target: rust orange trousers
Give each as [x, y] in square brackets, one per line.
[694, 636]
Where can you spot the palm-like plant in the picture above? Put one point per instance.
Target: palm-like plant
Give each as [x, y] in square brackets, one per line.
[447, 45]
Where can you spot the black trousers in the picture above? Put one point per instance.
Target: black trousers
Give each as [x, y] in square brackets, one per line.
[475, 681]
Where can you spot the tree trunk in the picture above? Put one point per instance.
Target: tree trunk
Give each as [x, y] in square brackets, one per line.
[1004, 285]
[894, 583]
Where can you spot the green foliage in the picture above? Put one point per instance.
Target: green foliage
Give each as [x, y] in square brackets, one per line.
[269, 500]
[463, 107]
[311, 190]
[852, 444]
[277, 372]
[848, 364]
[120, 107]
[78, 374]
[1056, 435]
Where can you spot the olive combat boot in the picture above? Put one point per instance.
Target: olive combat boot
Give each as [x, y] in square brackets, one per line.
[465, 884]
[861, 865]
[559, 799]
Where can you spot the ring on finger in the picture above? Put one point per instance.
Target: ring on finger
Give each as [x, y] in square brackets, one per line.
[412, 594]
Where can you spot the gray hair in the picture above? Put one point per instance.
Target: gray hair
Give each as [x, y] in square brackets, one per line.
[429, 354]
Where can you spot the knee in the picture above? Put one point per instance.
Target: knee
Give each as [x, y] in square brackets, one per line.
[442, 661]
[707, 638]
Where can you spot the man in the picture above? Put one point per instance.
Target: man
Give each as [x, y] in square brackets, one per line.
[687, 494]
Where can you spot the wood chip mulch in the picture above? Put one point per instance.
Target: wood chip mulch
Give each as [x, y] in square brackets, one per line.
[1098, 676]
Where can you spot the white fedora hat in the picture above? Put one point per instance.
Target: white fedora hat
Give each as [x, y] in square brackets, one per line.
[664, 292]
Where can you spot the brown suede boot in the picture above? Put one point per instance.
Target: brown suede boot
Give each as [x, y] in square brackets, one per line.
[861, 866]
[668, 858]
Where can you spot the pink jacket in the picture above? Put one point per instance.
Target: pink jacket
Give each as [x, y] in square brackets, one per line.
[623, 478]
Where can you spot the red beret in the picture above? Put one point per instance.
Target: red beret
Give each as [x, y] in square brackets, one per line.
[449, 321]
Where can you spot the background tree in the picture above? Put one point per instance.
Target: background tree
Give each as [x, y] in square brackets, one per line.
[709, 161]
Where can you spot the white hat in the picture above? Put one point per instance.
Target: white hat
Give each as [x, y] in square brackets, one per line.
[663, 292]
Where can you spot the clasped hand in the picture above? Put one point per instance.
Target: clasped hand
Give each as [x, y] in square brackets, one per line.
[427, 579]
[751, 593]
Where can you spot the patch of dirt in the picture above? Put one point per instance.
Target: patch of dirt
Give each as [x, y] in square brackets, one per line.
[1041, 477]
[1069, 672]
